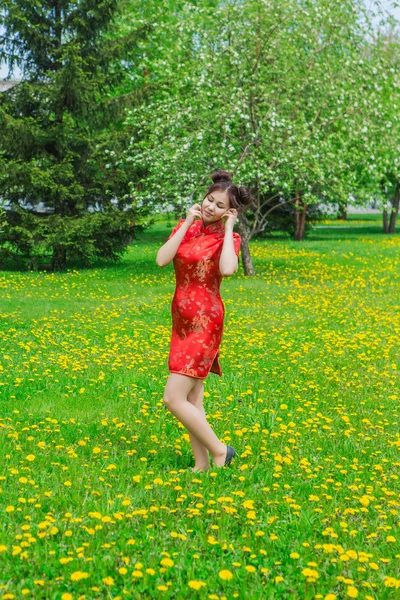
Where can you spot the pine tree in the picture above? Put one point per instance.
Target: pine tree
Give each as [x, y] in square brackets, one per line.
[58, 128]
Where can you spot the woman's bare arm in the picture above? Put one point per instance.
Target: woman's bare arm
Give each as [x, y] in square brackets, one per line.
[228, 262]
[166, 253]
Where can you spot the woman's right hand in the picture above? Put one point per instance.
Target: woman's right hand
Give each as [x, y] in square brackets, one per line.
[193, 212]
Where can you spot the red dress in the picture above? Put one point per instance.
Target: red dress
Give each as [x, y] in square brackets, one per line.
[197, 308]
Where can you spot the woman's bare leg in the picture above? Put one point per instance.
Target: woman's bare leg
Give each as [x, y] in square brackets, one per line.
[175, 399]
[202, 459]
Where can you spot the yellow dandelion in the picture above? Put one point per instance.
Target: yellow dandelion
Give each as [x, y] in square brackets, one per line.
[10, 508]
[352, 592]
[391, 582]
[391, 539]
[108, 580]
[167, 562]
[250, 568]
[294, 555]
[30, 457]
[66, 596]
[78, 575]
[196, 585]
[364, 500]
[137, 573]
[225, 574]
[310, 573]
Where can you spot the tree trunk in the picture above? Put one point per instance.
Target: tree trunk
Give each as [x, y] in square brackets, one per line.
[385, 221]
[296, 215]
[303, 222]
[342, 213]
[395, 209]
[300, 213]
[59, 259]
[385, 210]
[247, 261]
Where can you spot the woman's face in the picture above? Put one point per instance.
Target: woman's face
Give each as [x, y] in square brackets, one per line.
[214, 206]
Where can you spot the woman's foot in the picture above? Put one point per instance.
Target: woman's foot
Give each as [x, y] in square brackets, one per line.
[225, 458]
[196, 469]
[230, 454]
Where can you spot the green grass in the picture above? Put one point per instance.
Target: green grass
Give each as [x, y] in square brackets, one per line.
[96, 485]
[372, 221]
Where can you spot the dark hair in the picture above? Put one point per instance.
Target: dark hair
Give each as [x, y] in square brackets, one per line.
[239, 196]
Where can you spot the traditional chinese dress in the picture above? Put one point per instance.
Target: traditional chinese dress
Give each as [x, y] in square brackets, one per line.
[197, 308]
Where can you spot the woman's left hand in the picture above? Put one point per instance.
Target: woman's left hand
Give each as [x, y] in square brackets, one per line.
[231, 217]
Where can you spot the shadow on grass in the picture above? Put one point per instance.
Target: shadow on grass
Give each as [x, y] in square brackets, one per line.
[342, 233]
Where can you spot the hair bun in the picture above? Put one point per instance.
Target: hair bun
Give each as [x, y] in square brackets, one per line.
[244, 195]
[221, 176]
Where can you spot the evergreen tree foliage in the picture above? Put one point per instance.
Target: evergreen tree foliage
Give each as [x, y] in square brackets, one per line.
[58, 129]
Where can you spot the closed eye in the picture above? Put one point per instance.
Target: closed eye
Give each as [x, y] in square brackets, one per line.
[219, 205]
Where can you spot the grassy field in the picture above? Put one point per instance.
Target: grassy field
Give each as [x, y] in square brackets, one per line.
[97, 496]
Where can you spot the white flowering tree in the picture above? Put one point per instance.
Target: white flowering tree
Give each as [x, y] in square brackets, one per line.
[273, 92]
[383, 126]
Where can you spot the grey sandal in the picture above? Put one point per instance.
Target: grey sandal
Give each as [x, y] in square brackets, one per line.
[230, 453]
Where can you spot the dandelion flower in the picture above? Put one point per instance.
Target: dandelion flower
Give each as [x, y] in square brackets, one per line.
[225, 574]
[250, 568]
[167, 562]
[78, 575]
[196, 585]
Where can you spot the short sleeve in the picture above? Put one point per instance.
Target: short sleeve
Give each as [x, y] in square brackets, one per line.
[175, 229]
[237, 240]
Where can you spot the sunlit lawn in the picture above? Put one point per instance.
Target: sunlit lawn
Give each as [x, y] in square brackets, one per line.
[97, 496]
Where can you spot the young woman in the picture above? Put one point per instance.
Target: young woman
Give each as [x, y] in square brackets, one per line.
[203, 251]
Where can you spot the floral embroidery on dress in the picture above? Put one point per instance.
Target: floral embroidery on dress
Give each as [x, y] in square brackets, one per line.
[202, 269]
